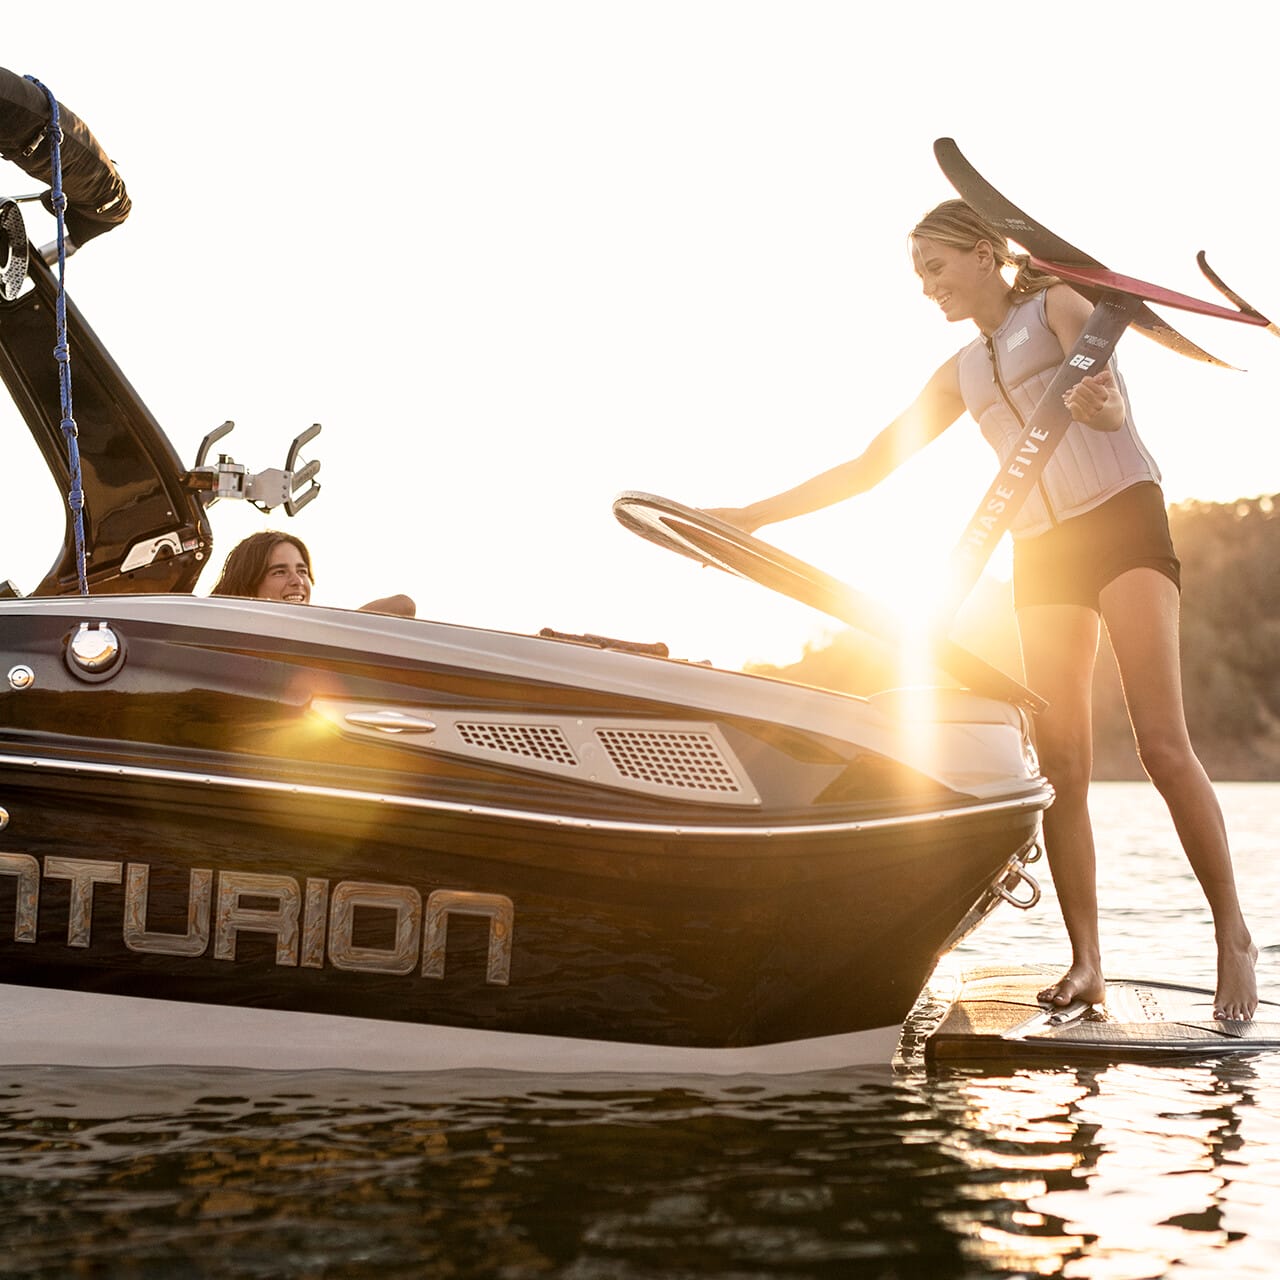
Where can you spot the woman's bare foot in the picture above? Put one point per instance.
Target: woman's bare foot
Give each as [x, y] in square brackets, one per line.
[1080, 982]
[1236, 999]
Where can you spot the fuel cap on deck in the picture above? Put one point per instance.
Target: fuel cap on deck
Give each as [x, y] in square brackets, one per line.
[95, 651]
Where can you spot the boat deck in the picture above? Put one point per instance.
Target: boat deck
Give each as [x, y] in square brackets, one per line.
[996, 1017]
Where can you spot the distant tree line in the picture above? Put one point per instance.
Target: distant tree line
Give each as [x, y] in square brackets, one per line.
[1230, 556]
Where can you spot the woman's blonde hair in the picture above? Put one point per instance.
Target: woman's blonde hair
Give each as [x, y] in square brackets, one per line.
[954, 223]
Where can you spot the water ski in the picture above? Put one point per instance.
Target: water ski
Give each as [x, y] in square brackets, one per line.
[1085, 272]
[996, 1017]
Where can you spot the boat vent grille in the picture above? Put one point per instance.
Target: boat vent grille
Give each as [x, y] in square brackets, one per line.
[674, 759]
[686, 761]
[531, 741]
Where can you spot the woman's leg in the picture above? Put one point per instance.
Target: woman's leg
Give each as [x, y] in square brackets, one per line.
[1141, 612]
[1059, 646]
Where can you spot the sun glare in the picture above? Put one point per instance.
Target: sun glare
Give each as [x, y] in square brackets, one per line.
[911, 580]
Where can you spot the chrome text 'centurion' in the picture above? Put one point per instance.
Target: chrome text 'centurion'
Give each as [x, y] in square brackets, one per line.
[310, 922]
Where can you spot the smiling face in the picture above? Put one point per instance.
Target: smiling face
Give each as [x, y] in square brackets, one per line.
[286, 576]
[958, 280]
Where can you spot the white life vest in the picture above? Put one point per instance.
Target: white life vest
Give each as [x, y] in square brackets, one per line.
[1002, 379]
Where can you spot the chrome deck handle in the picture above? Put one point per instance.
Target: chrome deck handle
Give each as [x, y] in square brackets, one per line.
[390, 721]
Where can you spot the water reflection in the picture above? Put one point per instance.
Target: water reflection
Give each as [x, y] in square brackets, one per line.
[1143, 1169]
[1118, 1171]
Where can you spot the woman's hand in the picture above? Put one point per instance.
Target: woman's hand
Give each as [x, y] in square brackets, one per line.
[1095, 401]
[744, 518]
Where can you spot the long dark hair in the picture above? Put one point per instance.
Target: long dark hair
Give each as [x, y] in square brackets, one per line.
[246, 564]
[954, 223]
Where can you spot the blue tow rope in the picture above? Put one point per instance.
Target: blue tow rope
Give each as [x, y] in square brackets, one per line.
[62, 351]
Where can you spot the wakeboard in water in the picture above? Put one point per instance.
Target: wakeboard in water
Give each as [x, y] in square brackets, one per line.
[996, 1017]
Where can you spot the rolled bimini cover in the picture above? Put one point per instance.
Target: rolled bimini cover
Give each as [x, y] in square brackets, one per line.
[96, 198]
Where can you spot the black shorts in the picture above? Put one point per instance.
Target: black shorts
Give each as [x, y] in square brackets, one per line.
[1073, 562]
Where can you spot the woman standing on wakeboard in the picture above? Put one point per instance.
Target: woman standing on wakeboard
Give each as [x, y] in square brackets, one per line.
[1091, 542]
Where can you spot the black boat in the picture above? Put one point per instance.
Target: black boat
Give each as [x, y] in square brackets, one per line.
[240, 832]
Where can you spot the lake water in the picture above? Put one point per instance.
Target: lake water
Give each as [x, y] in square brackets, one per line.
[1116, 1172]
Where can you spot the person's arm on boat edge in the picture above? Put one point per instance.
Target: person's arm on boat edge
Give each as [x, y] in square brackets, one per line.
[931, 413]
[270, 565]
[400, 606]
[1095, 401]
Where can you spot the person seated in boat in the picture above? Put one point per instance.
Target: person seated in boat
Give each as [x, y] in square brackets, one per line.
[1092, 545]
[277, 566]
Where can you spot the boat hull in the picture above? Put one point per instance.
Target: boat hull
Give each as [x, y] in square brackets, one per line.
[238, 832]
[307, 903]
[74, 1028]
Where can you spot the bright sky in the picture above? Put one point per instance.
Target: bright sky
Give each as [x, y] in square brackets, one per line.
[519, 256]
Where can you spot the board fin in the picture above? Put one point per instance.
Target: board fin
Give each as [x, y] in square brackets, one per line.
[1227, 292]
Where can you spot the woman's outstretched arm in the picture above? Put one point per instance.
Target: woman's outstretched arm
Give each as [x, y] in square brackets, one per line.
[929, 415]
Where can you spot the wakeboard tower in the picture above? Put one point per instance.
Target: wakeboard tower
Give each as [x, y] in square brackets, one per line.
[96, 199]
[142, 515]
